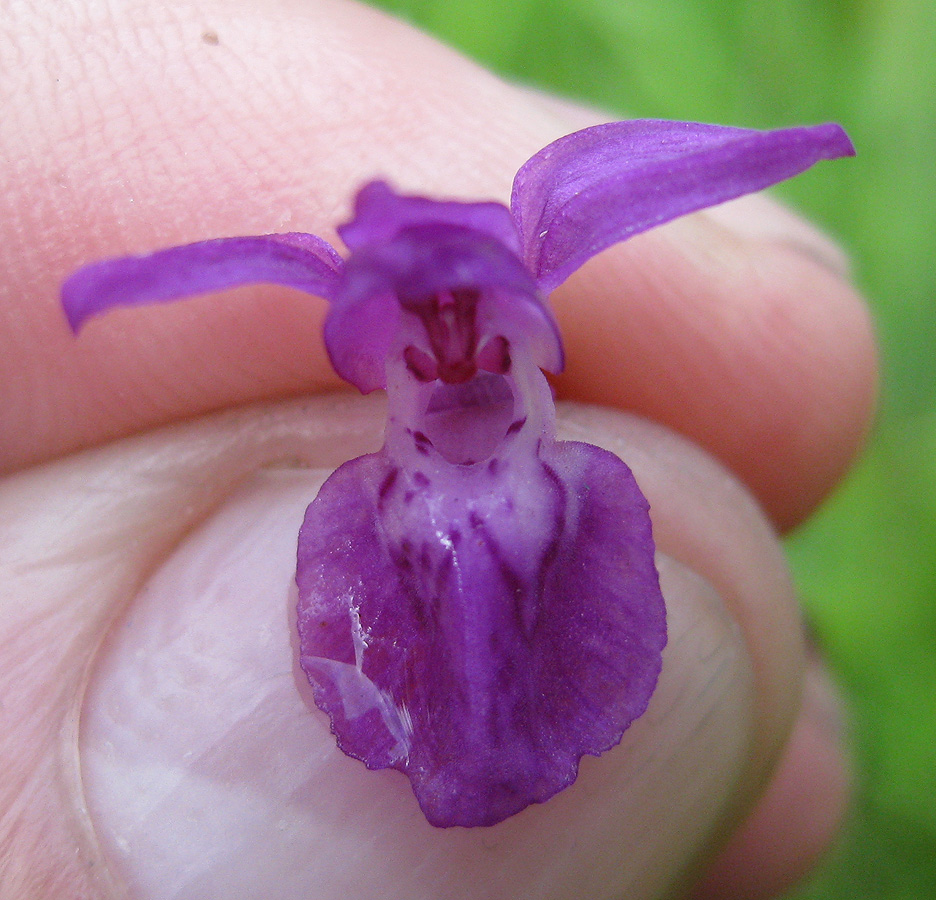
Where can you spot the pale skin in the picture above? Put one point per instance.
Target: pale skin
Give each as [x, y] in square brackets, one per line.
[732, 338]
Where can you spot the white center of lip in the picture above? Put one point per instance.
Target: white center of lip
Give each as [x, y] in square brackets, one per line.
[466, 422]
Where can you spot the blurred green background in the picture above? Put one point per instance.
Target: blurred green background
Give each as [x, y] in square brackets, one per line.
[866, 564]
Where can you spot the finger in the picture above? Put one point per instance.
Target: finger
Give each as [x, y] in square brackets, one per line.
[200, 772]
[750, 347]
[127, 131]
[800, 815]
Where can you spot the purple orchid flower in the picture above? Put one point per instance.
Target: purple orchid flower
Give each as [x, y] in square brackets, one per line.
[478, 603]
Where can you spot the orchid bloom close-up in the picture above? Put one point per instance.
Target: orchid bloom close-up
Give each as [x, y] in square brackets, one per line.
[388, 506]
[478, 603]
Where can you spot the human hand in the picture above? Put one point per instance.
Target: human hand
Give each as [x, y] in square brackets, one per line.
[732, 327]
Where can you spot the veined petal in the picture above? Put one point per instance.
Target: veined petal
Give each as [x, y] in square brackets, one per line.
[296, 260]
[481, 657]
[596, 187]
[380, 213]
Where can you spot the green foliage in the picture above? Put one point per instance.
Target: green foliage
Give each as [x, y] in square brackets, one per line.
[867, 564]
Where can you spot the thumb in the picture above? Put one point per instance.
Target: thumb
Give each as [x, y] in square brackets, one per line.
[163, 566]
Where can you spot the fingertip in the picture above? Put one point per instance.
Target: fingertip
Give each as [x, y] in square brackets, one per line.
[799, 816]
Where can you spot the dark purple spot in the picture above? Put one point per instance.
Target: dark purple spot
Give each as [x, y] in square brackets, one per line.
[457, 371]
[386, 486]
[419, 304]
[422, 442]
[559, 519]
[421, 479]
[421, 365]
[516, 425]
[495, 356]
[442, 575]
[402, 557]
[425, 558]
[449, 318]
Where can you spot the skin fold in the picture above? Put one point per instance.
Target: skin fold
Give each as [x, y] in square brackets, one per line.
[734, 332]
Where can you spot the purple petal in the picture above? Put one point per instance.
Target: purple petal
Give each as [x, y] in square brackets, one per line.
[380, 213]
[412, 247]
[480, 656]
[591, 189]
[297, 260]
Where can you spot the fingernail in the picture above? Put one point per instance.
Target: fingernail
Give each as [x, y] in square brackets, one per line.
[194, 736]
